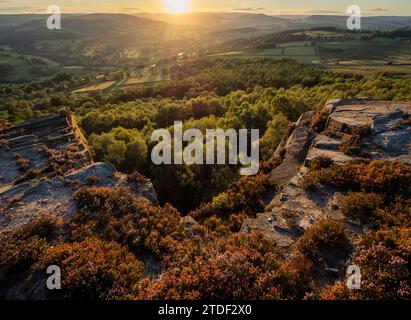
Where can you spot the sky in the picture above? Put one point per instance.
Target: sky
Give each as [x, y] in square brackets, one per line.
[306, 7]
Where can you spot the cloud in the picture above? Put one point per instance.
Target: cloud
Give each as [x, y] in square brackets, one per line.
[248, 9]
[20, 9]
[321, 11]
[380, 10]
[312, 11]
[130, 10]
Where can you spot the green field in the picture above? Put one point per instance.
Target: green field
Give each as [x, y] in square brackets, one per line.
[378, 48]
[329, 35]
[132, 53]
[294, 50]
[26, 67]
[367, 56]
[357, 53]
[136, 77]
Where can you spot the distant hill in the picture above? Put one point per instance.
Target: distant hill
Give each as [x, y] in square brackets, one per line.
[88, 39]
[367, 23]
[115, 28]
[124, 28]
[11, 20]
[227, 21]
[222, 21]
[101, 39]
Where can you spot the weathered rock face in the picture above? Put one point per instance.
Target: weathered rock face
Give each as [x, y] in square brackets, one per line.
[296, 147]
[293, 209]
[43, 163]
[389, 137]
[31, 145]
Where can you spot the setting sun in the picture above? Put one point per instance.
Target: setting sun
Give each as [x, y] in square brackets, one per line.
[176, 6]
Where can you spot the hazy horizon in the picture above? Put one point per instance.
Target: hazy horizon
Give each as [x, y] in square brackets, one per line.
[269, 7]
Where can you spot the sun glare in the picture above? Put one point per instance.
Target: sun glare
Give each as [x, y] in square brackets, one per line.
[176, 6]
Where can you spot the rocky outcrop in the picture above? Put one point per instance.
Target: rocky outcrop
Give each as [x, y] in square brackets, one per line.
[30, 146]
[389, 131]
[294, 209]
[43, 163]
[295, 148]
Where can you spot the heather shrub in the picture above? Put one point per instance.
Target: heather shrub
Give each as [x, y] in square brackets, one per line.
[395, 214]
[319, 120]
[342, 176]
[3, 125]
[137, 178]
[28, 175]
[25, 245]
[214, 223]
[46, 226]
[92, 269]
[23, 164]
[321, 162]
[65, 112]
[351, 144]
[235, 267]
[388, 177]
[384, 260]
[337, 291]
[117, 201]
[60, 161]
[92, 180]
[386, 275]
[3, 142]
[310, 183]
[19, 254]
[325, 234]
[361, 206]
[117, 215]
[243, 199]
